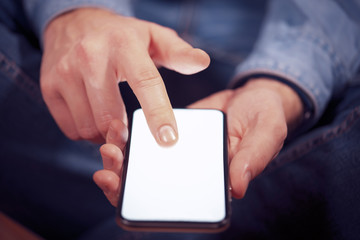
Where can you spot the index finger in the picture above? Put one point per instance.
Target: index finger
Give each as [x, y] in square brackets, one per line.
[144, 79]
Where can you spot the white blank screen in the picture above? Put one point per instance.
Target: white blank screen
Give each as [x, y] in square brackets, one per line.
[184, 182]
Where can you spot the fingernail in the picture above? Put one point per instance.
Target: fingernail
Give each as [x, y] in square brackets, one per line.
[107, 162]
[167, 135]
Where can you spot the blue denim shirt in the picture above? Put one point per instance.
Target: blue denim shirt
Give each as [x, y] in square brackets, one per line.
[313, 46]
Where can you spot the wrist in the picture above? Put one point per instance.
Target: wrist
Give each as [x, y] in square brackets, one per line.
[291, 101]
[72, 25]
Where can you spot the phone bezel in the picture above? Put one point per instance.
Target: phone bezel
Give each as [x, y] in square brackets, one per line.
[176, 226]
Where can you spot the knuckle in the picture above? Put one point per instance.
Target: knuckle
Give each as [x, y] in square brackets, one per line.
[127, 33]
[124, 38]
[87, 129]
[88, 132]
[147, 79]
[87, 50]
[119, 39]
[63, 68]
[103, 122]
[158, 113]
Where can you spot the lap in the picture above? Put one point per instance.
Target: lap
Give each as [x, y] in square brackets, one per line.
[311, 190]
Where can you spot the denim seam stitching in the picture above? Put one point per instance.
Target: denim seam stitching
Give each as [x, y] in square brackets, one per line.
[327, 136]
[21, 80]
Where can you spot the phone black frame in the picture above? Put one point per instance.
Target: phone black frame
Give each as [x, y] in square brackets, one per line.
[176, 226]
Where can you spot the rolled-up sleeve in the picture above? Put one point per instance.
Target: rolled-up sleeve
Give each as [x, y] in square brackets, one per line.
[313, 46]
[41, 12]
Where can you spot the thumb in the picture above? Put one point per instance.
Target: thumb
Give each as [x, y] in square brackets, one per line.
[172, 52]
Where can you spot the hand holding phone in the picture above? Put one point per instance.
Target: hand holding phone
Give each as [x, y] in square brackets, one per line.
[178, 188]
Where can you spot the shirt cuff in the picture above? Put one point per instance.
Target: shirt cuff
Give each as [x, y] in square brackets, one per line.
[268, 68]
[42, 12]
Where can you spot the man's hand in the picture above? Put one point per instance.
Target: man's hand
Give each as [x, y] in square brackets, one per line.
[259, 115]
[88, 51]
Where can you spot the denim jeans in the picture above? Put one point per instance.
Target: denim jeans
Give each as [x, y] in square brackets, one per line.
[311, 190]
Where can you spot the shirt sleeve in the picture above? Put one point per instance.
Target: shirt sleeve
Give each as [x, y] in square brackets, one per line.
[40, 12]
[313, 46]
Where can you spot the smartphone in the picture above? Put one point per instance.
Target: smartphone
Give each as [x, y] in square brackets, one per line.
[182, 188]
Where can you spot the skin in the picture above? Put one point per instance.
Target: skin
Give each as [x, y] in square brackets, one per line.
[88, 51]
[259, 115]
